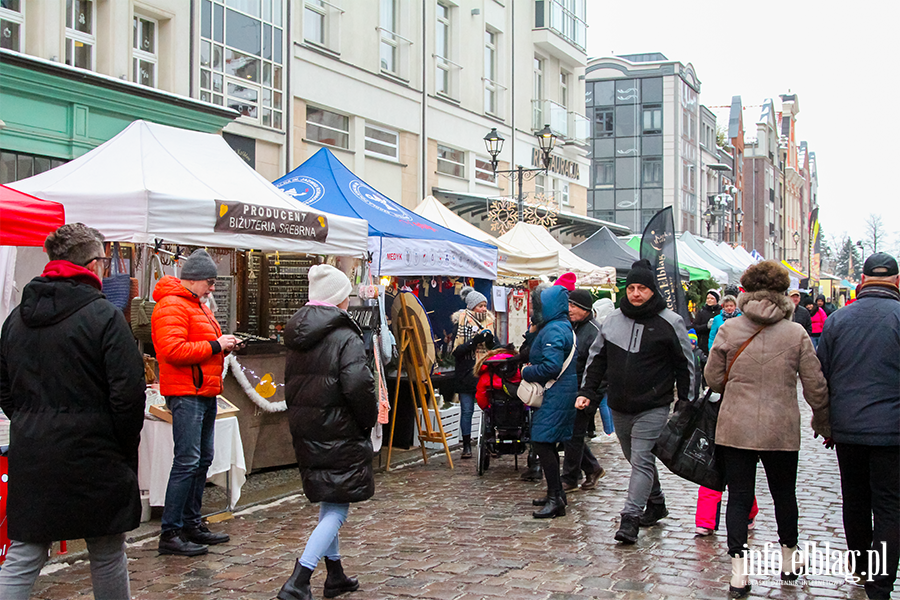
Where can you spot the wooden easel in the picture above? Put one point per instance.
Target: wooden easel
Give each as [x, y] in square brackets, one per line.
[421, 391]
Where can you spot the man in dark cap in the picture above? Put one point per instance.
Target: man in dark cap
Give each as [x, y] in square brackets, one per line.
[191, 352]
[578, 455]
[643, 351]
[801, 315]
[860, 354]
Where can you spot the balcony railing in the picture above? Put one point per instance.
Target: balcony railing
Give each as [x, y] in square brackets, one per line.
[579, 129]
[547, 112]
[569, 24]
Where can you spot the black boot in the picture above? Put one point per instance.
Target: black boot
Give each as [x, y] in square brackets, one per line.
[467, 447]
[337, 583]
[653, 513]
[628, 529]
[555, 507]
[176, 542]
[297, 586]
[533, 472]
[543, 501]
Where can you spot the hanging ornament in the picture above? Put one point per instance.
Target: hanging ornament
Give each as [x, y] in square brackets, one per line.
[503, 214]
[541, 210]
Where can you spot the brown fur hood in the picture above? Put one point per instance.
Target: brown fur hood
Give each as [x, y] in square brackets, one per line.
[765, 307]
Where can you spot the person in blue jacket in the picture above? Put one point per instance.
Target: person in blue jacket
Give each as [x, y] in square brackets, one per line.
[729, 311]
[554, 420]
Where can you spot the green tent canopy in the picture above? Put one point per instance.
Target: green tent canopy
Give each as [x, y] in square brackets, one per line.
[694, 273]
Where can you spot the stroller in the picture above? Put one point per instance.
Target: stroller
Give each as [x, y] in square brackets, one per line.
[506, 422]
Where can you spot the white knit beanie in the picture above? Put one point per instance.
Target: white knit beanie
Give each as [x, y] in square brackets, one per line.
[327, 284]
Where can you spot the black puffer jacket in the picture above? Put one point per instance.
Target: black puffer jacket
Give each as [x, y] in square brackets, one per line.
[701, 324]
[332, 404]
[72, 384]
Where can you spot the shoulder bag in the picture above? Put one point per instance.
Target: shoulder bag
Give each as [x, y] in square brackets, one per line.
[687, 444]
[531, 393]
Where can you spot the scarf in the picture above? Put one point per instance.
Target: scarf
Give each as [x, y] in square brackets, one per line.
[879, 289]
[651, 307]
[470, 324]
[63, 269]
[726, 316]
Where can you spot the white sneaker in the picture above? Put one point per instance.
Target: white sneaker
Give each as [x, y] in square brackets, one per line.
[608, 439]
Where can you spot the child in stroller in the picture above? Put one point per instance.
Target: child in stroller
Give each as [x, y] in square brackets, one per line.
[506, 421]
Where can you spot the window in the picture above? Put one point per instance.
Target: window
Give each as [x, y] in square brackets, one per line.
[561, 191]
[382, 142]
[652, 119]
[651, 172]
[143, 53]
[15, 166]
[604, 120]
[314, 21]
[483, 170]
[389, 44]
[326, 127]
[80, 38]
[564, 88]
[567, 18]
[538, 91]
[604, 173]
[451, 161]
[442, 49]
[12, 24]
[491, 90]
[241, 57]
[540, 185]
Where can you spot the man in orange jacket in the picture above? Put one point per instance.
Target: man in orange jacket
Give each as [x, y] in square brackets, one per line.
[191, 351]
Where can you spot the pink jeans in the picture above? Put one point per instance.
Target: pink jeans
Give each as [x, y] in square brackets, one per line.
[708, 504]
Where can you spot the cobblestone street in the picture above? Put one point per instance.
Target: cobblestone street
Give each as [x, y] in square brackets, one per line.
[430, 532]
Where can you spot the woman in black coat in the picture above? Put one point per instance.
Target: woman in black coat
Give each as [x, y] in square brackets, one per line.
[332, 407]
[704, 316]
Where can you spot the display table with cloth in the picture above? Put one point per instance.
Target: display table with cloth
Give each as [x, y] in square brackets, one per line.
[157, 451]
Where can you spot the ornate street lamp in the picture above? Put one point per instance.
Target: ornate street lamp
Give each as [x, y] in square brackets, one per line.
[493, 142]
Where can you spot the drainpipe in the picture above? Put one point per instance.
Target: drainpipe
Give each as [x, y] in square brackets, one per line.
[423, 136]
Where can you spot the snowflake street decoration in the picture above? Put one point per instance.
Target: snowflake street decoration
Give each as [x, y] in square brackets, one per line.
[503, 214]
[541, 211]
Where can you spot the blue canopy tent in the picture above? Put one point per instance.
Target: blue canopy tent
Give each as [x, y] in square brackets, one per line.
[400, 241]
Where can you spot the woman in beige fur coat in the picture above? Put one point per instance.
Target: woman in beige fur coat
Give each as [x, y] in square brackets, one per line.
[759, 418]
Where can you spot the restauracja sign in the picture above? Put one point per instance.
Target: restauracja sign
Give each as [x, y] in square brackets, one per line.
[558, 165]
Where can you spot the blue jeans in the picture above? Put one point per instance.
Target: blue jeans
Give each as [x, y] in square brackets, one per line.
[606, 418]
[466, 410]
[193, 430]
[324, 538]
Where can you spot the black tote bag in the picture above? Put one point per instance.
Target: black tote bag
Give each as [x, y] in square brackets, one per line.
[687, 444]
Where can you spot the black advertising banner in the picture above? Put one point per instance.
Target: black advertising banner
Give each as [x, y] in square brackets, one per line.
[659, 247]
[299, 224]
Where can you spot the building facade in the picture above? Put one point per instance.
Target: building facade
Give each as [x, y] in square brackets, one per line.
[645, 151]
[763, 200]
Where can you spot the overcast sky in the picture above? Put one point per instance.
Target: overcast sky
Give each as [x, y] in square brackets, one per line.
[841, 62]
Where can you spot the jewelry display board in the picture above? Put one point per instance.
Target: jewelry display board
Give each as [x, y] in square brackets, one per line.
[225, 297]
[276, 292]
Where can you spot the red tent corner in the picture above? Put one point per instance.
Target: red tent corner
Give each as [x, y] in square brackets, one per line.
[26, 220]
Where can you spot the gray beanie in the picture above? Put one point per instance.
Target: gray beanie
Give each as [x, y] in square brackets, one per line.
[471, 297]
[199, 266]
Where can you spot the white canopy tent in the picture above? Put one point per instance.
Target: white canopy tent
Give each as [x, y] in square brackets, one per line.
[529, 238]
[691, 258]
[184, 187]
[511, 261]
[745, 257]
[725, 253]
[712, 257]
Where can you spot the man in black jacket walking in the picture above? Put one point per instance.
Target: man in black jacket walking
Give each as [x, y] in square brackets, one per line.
[801, 315]
[72, 385]
[643, 351]
[578, 456]
[860, 355]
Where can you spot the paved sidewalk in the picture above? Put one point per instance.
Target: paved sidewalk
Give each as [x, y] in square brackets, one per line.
[434, 533]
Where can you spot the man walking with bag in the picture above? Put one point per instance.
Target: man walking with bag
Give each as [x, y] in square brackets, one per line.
[72, 385]
[860, 355]
[643, 351]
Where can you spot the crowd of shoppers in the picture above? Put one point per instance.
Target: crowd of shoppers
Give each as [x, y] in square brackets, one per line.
[637, 358]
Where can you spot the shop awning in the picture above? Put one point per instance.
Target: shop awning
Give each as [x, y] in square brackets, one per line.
[184, 187]
[794, 270]
[400, 241]
[534, 238]
[510, 261]
[26, 220]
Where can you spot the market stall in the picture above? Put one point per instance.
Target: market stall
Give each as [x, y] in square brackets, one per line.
[733, 272]
[26, 221]
[161, 191]
[604, 248]
[689, 270]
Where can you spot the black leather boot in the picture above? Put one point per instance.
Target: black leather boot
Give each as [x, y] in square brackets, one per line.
[337, 583]
[555, 507]
[297, 585]
[543, 501]
[176, 542]
[467, 447]
[533, 471]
